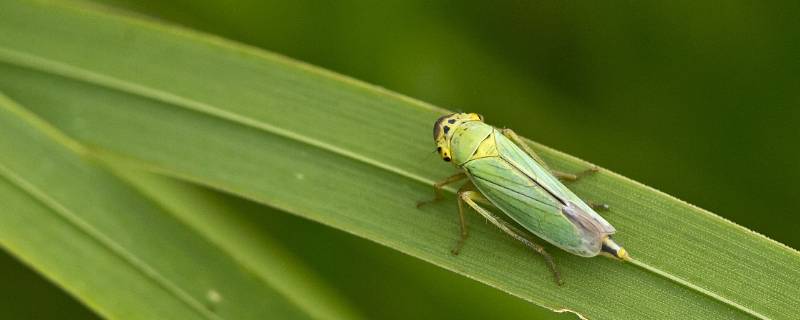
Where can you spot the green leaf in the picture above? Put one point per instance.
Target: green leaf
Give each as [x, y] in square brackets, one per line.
[357, 158]
[106, 244]
[384, 283]
[25, 292]
[234, 231]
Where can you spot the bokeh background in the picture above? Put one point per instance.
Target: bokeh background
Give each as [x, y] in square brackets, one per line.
[698, 99]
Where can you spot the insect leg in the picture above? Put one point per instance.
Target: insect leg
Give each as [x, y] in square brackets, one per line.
[563, 176]
[597, 206]
[463, 220]
[469, 198]
[437, 188]
[573, 177]
[510, 134]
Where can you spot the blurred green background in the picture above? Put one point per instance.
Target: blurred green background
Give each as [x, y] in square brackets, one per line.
[699, 100]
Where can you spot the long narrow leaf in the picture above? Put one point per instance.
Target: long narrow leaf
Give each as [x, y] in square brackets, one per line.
[106, 244]
[25, 292]
[403, 283]
[232, 231]
[352, 156]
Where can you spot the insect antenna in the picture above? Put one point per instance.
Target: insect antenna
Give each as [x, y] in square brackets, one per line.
[427, 156]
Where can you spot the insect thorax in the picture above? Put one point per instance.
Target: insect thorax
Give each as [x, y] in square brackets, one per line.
[470, 139]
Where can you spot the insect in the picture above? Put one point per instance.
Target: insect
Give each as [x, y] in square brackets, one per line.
[504, 172]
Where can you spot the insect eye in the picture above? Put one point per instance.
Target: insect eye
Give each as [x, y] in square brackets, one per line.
[439, 149]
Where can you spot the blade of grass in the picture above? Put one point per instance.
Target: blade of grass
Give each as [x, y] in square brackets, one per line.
[25, 292]
[107, 245]
[350, 156]
[412, 232]
[404, 282]
[232, 231]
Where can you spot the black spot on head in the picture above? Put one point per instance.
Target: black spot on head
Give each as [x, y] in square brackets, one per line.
[451, 121]
[439, 149]
[437, 127]
[446, 129]
[446, 159]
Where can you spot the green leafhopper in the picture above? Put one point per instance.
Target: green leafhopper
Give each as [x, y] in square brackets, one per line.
[504, 172]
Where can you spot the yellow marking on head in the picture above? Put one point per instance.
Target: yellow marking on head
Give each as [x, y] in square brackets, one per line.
[443, 130]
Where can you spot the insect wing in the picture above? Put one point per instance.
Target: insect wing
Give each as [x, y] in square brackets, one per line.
[523, 162]
[592, 227]
[525, 202]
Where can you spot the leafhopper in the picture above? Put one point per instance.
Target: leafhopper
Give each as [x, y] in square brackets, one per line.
[503, 172]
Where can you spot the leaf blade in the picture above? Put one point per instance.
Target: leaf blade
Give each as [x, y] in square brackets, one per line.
[141, 261]
[254, 85]
[256, 251]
